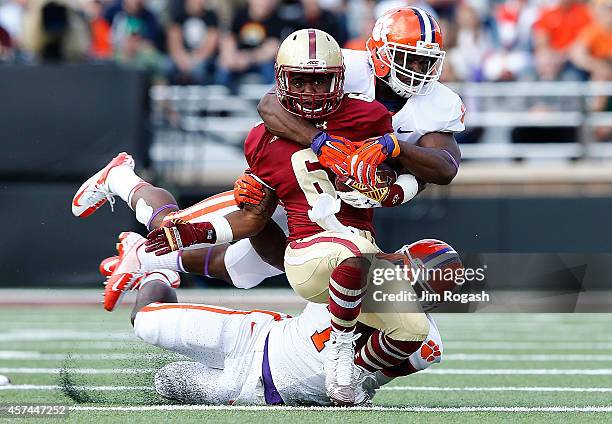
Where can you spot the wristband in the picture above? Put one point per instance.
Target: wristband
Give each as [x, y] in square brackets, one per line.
[318, 141]
[223, 230]
[409, 186]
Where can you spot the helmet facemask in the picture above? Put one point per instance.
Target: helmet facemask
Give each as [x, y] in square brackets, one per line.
[405, 81]
[310, 105]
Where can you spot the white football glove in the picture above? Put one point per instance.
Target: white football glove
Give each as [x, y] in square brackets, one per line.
[358, 200]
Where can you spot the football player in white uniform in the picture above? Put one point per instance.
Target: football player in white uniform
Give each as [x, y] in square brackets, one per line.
[256, 357]
[400, 69]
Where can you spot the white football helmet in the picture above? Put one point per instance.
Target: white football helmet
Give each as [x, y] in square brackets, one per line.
[309, 51]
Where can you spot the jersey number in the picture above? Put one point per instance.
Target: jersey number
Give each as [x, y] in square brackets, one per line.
[314, 182]
[319, 339]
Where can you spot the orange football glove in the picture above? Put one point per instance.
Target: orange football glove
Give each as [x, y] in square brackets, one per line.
[248, 189]
[332, 151]
[362, 164]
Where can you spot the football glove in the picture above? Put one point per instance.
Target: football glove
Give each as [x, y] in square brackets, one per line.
[362, 163]
[248, 189]
[332, 151]
[362, 195]
[178, 234]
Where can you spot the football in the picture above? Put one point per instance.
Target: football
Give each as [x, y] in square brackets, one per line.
[385, 177]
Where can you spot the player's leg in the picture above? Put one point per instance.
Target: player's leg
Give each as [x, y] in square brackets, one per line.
[330, 267]
[204, 333]
[429, 352]
[117, 178]
[398, 336]
[155, 287]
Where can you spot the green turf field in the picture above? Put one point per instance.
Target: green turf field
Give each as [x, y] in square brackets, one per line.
[497, 367]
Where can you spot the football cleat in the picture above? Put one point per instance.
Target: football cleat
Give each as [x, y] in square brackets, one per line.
[126, 274]
[340, 369]
[95, 192]
[366, 386]
[125, 271]
[108, 265]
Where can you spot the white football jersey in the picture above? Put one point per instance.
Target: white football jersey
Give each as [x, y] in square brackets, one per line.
[439, 111]
[297, 349]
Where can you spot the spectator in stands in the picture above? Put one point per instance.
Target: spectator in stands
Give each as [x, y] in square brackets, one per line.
[559, 26]
[137, 52]
[512, 57]
[444, 8]
[514, 20]
[192, 37]
[475, 42]
[592, 52]
[367, 24]
[549, 65]
[6, 46]
[55, 31]
[313, 16]
[101, 46]
[121, 11]
[12, 15]
[251, 44]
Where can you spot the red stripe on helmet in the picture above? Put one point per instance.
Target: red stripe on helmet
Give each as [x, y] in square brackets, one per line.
[312, 44]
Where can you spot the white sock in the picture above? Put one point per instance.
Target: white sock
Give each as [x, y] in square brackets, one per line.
[150, 261]
[122, 180]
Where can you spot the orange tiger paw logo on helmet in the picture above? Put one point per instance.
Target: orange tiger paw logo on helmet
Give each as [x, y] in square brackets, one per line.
[430, 351]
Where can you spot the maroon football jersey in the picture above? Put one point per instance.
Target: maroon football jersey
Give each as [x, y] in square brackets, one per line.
[296, 174]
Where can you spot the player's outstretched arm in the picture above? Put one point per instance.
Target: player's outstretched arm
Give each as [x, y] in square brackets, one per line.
[246, 222]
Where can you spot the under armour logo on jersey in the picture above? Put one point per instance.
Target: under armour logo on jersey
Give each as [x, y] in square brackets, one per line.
[321, 125]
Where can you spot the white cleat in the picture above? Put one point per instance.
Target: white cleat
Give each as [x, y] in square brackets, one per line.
[95, 192]
[365, 387]
[340, 368]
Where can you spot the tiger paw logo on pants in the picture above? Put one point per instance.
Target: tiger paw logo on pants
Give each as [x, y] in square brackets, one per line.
[430, 351]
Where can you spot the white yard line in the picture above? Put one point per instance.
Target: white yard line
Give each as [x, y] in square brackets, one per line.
[47, 334]
[323, 408]
[38, 356]
[525, 344]
[519, 357]
[498, 389]
[35, 355]
[514, 371]
[439, 371]
[89, 388]
[391, 388]
[23, 370]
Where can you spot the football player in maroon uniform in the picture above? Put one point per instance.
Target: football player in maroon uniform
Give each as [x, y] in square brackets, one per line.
[325, 259]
